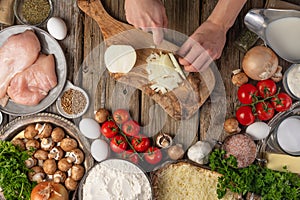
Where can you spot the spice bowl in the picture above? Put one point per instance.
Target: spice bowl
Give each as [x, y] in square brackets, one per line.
[73, 102]
[290, 81]
[33, 12]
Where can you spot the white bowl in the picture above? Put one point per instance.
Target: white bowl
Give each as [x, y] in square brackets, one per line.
[61, 111]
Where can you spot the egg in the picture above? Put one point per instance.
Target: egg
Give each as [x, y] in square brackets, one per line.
[57, 28]
[258, 130]
[90, 128]
[99, 150]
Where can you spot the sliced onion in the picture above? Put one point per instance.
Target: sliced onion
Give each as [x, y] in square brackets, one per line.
[120, 58]
[260, 63]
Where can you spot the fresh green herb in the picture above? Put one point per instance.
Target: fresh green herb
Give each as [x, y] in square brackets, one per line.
[267, 183]
[13, 172]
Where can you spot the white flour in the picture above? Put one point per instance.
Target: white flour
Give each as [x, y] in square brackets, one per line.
[116, 180]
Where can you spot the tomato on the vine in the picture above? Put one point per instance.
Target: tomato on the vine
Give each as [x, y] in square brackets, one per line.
[153, 155]
[109, 129]
[120, 116]
[131, 156]
[264, 110]
[118, 144]
[140, 143]
[246, 93]
[245, 115]
[131, 128]
[266, 88]
[281, 102]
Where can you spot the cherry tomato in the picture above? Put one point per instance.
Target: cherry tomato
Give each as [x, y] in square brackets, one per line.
[109, 129]
[266, 88]
[131, 128]
[131, 156]
[246, 93]
[281, 102]
[264, 110]
[140, 143]
[153, 155]
[245, 115]
[120, 116]
[118, 144]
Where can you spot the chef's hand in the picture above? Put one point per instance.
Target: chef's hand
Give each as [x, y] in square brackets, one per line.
[203, 47]
[149, 15]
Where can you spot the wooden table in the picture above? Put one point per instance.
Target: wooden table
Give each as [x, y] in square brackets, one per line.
[81, 48]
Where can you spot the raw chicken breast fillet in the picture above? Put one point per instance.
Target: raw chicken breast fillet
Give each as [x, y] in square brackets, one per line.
[17, 53]
[32, 85]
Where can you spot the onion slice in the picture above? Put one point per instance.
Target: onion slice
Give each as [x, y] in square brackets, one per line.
[120, 58]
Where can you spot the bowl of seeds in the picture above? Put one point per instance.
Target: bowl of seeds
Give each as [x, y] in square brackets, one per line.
[73, 102]
[33, 12]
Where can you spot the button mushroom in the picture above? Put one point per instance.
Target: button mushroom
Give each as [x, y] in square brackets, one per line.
[32, 144]
[44, 130]
[30, 162]
[49, 166]
[56, 153]
[18, 142]
[77, 172]
[41, 154]
[30, 132]
[231, 125]
[47, 144]
[68, 144]
[64, 165]
[59, 176]
[163, 140]
[75, 156]
[57, 134]
[176, 152]
[36, 174]
[71, 184]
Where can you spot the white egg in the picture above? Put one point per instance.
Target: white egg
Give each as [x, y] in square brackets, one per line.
[99, 150]
[258, 130]
[57, 28]
[90, 128]
[288, 135]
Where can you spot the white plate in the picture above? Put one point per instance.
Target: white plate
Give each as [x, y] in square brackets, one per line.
[49, 46]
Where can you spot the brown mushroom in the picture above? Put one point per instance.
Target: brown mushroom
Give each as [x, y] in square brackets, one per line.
[44, 130]
[57, 134]
[68, 144]
[59, 176]
[30, 162]
[50, 166]
[64, 165]
[239, 78]
[32, 144]
[36, 174]
[30, 132]
[71, 184]
[41, 154]
[75, 156]
[163, 140]
[47, 144]
[77, 172]
[56, 153]
[18, 142]
[231, 125]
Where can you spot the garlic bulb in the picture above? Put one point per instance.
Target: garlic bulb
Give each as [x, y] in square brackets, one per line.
[199, 152]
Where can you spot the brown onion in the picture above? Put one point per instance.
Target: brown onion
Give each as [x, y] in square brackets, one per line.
[260, 63]
[49, 191]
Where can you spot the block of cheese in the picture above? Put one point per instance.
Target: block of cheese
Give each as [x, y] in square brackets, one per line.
[278, 161]
[186, 181]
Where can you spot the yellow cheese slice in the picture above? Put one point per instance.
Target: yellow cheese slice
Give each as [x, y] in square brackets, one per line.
[278, 161]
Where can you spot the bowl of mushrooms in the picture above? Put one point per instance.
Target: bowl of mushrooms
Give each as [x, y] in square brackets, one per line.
[59, 153]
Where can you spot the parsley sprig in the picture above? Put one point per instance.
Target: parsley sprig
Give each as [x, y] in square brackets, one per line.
[13, 172]
[269, 184]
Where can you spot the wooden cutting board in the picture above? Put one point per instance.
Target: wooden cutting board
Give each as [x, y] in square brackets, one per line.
[181, 103]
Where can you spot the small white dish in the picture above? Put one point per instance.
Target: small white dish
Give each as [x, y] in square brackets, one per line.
[1, 118]
[59, 107]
